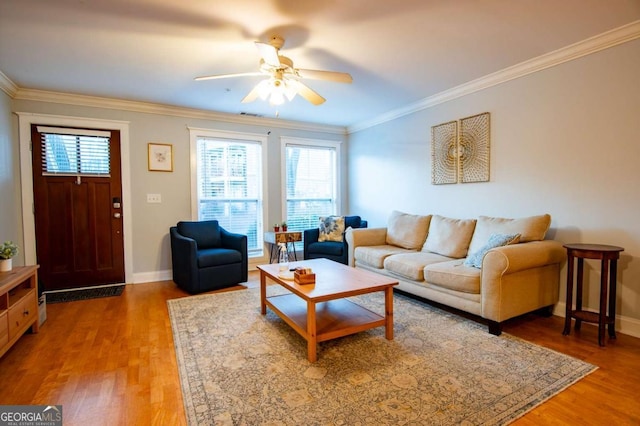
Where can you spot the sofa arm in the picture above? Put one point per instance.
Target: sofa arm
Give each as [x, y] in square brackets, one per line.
[237, 242]
[518, 257]
[183, 258]
[309, 236]
[520, 278]
[364, 237]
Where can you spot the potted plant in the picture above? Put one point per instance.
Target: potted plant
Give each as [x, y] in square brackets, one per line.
[276, 227]
[8, 249]
[284, 226]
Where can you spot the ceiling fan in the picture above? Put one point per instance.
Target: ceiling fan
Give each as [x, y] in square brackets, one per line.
[283, 78]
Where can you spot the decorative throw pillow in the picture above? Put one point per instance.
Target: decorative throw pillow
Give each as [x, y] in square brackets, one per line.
[331, 228]
[532, 228]
[495, 240]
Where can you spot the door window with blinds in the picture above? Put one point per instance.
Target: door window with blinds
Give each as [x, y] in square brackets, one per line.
[229, 185]
[311, 181]
[74, 152]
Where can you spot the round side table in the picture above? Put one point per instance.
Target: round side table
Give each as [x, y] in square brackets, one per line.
[608, 256]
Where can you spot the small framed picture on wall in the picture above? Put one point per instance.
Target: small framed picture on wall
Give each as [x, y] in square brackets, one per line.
[160, 157]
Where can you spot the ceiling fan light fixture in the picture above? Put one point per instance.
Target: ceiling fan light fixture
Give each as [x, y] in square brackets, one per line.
[276, 98]
[275, 90]
[284, 79]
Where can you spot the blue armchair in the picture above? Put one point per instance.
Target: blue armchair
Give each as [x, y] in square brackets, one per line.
[333, 250]
[206, 257]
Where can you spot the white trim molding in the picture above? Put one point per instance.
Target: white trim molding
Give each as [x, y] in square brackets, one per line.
[25, 120]
[153, 276]
[8, 86]
[577, 50]
[151, 108]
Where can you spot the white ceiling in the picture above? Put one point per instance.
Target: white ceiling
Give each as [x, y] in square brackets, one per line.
[398, 52]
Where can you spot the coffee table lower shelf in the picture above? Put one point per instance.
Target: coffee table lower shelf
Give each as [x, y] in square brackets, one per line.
[333, 318]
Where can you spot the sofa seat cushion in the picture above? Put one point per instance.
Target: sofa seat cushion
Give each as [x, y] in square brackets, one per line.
[411, 265]
[333, 248]
[217, 256]
[375, 255]
[454, 275]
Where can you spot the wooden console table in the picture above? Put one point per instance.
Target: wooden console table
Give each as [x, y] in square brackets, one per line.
[607, 255]
[286, 237]
[18, 304]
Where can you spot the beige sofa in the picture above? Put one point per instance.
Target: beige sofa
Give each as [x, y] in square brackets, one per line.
[430, 256]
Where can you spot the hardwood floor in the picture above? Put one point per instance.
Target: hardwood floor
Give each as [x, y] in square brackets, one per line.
[112, 361]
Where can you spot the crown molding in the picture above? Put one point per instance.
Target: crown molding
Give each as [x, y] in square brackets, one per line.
[577, 50]
[151, 108]
[8, 86]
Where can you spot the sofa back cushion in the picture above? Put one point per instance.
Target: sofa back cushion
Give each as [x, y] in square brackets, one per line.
[352, 221]
[532, 228]
[449, 237]
[206, 233]
[407, 230]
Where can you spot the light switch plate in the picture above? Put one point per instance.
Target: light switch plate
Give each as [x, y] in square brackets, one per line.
[154, 198]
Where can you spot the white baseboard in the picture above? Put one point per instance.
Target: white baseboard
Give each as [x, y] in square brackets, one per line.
[167, 275]
[624, 325]
[147, 277]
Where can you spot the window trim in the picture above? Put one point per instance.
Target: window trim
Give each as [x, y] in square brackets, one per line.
[308, 142]
[197, 132]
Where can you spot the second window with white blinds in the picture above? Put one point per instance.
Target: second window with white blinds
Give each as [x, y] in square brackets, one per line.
[311, 181]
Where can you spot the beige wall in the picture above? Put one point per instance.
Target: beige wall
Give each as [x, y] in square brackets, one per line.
[151, 222]
[565, 141]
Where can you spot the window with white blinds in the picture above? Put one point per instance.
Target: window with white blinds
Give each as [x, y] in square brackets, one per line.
[74, 152]
[229, 186]
[311, 181]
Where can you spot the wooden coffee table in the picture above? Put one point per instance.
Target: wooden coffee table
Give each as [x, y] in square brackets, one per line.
[320, 311]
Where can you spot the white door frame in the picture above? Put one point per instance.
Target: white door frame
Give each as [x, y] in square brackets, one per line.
[25, 120]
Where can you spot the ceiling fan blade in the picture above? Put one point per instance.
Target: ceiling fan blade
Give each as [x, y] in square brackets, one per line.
[241, 74]
[308, 93]
[252, 95]
[269, 54]
[339, 77]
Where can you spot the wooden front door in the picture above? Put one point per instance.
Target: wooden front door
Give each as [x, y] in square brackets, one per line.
[77, 189]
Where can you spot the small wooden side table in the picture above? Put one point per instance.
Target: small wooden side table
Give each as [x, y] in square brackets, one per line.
[286, 237]
[608, 256]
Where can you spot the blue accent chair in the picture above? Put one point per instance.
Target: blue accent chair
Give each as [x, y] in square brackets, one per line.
[206, 257]
[333, 250]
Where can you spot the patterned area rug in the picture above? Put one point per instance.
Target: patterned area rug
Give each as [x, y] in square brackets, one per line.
[89, 293]
[238, 367]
